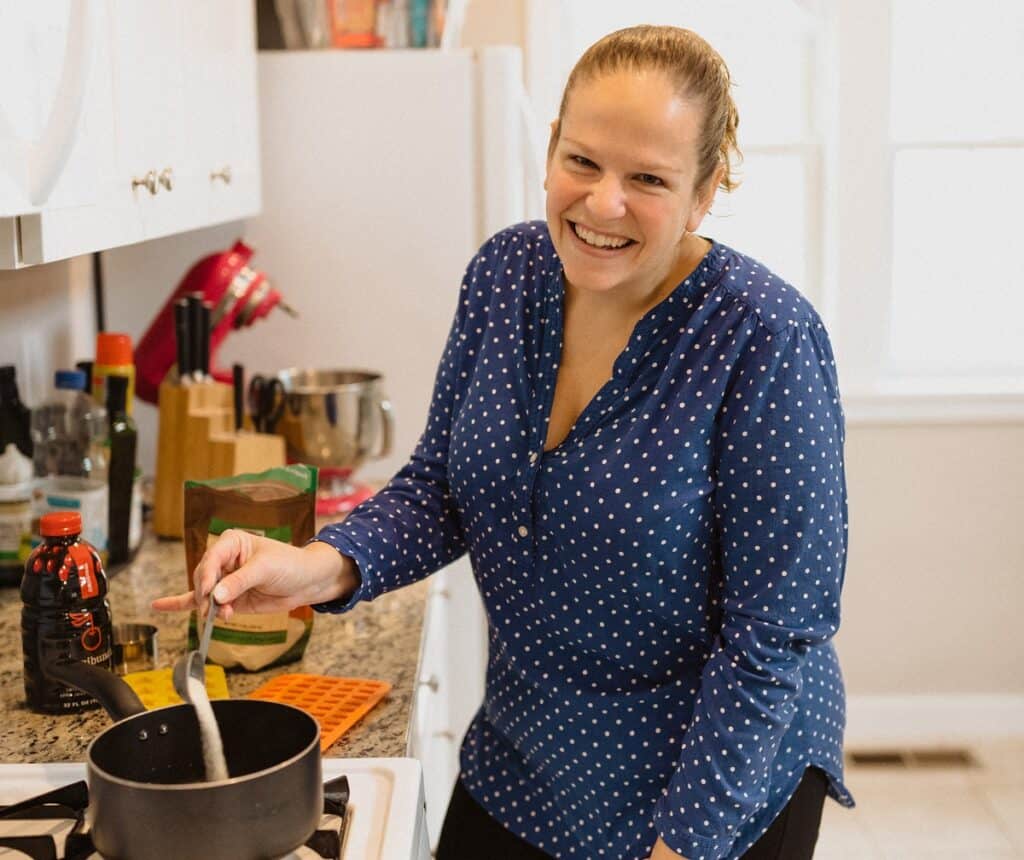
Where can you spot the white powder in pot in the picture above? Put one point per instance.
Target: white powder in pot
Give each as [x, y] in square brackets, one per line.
[209, 732]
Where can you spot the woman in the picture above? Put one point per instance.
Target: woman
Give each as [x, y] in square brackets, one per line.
[636, 434]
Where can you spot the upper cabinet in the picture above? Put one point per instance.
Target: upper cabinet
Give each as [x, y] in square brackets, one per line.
[123, 121]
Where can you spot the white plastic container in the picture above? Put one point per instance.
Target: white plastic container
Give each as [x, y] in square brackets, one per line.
[89, 496]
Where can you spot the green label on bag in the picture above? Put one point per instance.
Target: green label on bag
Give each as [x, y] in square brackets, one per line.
[249, 637]
[281, 533]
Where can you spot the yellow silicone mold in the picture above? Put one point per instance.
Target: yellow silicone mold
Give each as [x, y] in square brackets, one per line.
[156, 687]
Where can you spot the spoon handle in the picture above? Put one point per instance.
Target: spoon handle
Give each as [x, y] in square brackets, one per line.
[204, 643]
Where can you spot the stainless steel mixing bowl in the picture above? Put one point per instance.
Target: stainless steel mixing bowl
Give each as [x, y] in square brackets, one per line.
[335, 418]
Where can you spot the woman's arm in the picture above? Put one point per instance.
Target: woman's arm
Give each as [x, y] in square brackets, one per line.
[780, 506]
[412, 527]
[257, 574]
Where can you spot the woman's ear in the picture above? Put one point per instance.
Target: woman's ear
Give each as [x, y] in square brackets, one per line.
[552, 143]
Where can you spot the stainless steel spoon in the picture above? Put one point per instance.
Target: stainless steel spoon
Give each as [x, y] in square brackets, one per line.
[194, 662]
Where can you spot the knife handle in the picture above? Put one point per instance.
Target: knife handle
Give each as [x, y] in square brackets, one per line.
[183, 340]
[238, 384]
[195, 324]
[204, 339]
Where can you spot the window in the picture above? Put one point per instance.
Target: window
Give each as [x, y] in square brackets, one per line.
[957, 133]
[883, 147]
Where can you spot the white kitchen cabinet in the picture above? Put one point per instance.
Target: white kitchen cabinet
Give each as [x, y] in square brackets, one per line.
[450, 683]
[223, 108]
[123, 121]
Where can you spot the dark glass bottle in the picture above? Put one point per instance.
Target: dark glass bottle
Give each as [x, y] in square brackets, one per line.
[15, 417]
[65, 616]
[121, 468]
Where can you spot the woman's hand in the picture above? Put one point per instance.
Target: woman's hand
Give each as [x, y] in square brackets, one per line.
[663, 852]
[248, 573]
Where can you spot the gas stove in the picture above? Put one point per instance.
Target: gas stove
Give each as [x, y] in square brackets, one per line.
[384, 819]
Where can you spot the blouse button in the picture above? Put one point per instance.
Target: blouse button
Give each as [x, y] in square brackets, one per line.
[522, 531]
[533, 458]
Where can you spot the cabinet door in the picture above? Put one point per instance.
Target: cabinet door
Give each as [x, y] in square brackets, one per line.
[149, 61]
[221, 102]
[56, 119]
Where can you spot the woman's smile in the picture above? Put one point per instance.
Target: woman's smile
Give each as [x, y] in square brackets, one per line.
[599, 242]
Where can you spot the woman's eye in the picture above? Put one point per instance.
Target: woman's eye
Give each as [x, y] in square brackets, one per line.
[581, 161]
[648, 179]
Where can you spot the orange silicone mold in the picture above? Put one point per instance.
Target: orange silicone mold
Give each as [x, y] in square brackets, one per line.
[337, 704]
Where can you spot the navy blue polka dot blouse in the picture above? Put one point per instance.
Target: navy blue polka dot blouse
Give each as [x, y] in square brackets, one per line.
[662, 588]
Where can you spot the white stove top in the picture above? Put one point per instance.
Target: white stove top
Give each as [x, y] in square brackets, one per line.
[386, 820]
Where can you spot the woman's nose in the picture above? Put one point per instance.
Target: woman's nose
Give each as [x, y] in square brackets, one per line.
[607, 198]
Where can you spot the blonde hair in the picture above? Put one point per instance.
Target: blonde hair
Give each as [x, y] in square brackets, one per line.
[694, 67]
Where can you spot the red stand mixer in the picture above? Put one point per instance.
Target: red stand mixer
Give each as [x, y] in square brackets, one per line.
[238, 295]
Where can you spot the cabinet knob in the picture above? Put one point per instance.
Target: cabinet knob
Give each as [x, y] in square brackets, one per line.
[430, 682]
[148, 182]
[224, 174]
[167, 178]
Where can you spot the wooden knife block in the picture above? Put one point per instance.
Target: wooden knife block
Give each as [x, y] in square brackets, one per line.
[196, 442]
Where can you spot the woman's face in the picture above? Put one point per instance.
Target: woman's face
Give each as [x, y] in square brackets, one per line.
[620, 195]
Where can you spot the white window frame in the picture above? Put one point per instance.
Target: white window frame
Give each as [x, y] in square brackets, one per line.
[850, 173]
[860, 155]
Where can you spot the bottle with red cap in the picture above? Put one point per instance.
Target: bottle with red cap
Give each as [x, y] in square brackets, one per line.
[65, 616]
[113, 358]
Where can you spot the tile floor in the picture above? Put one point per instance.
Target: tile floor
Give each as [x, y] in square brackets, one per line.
[932, 812]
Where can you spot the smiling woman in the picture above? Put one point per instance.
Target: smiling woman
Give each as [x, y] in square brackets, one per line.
[636, 435]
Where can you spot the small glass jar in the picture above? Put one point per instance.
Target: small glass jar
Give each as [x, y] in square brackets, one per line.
[15, 530]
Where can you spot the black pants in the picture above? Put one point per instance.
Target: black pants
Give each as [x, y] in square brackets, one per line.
[469, 832]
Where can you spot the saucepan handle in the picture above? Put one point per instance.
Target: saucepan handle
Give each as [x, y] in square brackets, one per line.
[117, 698]
[388, 427]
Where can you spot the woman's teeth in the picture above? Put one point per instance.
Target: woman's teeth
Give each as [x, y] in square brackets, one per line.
[599, 240]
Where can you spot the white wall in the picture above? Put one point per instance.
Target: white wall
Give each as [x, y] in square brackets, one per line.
[933, 585]
[47, 322]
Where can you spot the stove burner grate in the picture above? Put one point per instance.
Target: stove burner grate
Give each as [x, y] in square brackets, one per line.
[52, 827]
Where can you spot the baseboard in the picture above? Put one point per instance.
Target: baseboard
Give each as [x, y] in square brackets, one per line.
[890, 719]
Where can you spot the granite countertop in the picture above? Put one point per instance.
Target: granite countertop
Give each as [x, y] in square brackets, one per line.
[378, 640]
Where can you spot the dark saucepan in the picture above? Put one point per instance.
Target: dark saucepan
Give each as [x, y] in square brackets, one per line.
[147, 794]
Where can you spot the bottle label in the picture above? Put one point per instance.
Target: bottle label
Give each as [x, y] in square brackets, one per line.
[80, 558]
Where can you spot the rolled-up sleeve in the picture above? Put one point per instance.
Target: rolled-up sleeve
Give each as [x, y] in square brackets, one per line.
[781, 515]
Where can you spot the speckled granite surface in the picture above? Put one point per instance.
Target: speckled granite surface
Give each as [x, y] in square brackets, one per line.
[378, 640]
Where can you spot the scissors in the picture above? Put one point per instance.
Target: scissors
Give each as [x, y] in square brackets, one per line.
[266, 402]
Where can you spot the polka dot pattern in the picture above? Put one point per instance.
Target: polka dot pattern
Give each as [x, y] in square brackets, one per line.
[661, 588]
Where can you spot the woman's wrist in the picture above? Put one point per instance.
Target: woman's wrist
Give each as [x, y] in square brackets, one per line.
[335, 576]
